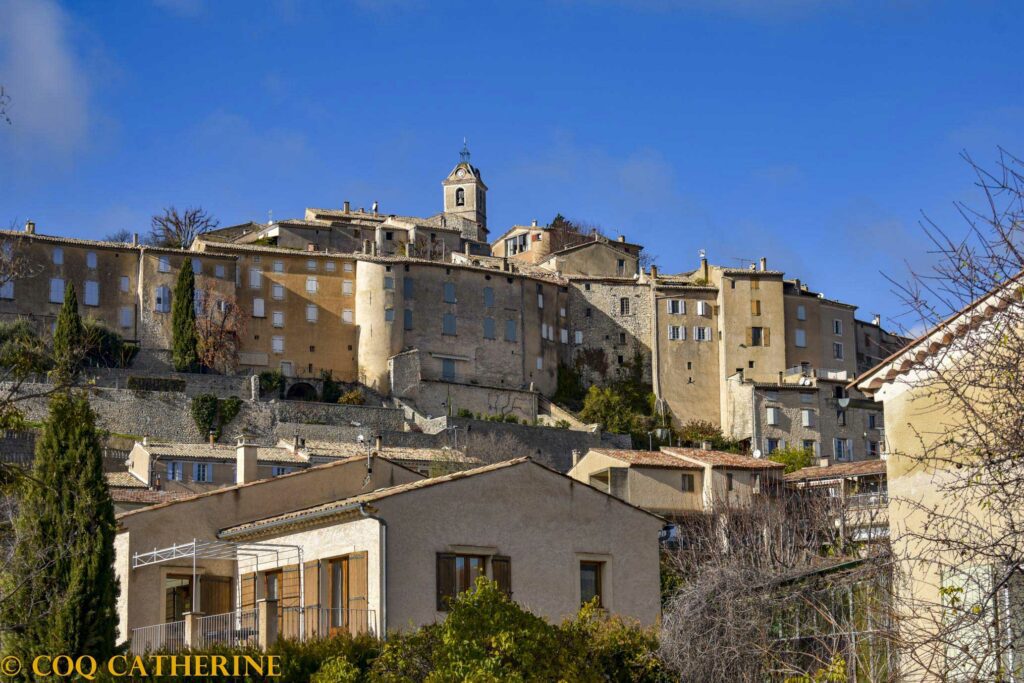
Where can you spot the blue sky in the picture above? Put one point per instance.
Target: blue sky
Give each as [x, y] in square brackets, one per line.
[811, 132]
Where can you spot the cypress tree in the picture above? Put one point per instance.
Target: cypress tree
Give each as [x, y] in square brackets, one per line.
[184, 350]
[64, 590]
[68, 340]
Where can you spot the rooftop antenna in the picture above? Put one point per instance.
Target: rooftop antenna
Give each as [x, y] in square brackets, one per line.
[464, 154]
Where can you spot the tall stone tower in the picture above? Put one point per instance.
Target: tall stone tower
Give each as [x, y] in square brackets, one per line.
[465, 194]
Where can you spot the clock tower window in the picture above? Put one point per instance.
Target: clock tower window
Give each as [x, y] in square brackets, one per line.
[460, 197]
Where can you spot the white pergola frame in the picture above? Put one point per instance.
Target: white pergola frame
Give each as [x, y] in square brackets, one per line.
[247, 554]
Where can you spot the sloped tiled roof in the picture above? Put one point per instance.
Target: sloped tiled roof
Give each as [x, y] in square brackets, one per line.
[723, 459]
[205, 451]
[335, 449]
[646, 458]
[146, 496]
[844, 469]
[123, 480]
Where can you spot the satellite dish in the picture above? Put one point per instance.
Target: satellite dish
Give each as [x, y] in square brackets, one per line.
[844, 402]
[757, 452]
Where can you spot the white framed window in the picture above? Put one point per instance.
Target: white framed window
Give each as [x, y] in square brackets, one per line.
[312, 313]
[277, 344]
[703, 308]
[126, 317]
[197, 266]
[346, 287]
[202, 471]
[676, 306]
[676, 332]
[701, 333]
[164, 264]
[258, 310]
[278, 266]
[330, 266]
[801, 338]
[277, 292]
[843, 448]
[219, 270]
[311, 264]
[563, 335]
[279, 470]
[255, 278]
[561, 312]
[346, 316]
[806, 417]
[312, 285]
[579, 337]
[772, 416]
[837, 326]
[277, 318]
[175, 471]
[92, 293]
[347, 267]
[7, 290]
[543, 330]
[56, 290]
[540, 362]
[540, 299]
[124, 283]
[837, 350]
[162, 299]
[58, 256]
[801, 312]
[90, 260]
[806, 398]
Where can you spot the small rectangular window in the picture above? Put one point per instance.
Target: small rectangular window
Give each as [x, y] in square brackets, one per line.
[90, 260]
[563, 335]
[807, 417]
[448, 324]
[510, 330]
[311, 264]
[330, 266]
[278, 266]
[197, 266]
[806, 398]
[312, 285]
[389, 282]
[277, 291]
[624, 306]
[561, 312]
[702, 334]
[448, 369]
[255, 278]
[58, 256]
[175, 471]
[407, 318]
[540, 299]
[126, 317]
[579, 337]
[801, 339]
[772, 445]
[56, 290]
[540, 362]
[449, 292]
[278, 318]
[772, 417]
[408, 287]
[837, 326]
[837, 350]
[346, 287]
[92, 293]
[756, 337]
[124, 283]
[162, 299]
[347, 267]
[488, 328]
[488, 297]
[202, 472]
[687, 483]
[801, 312]
[346, 316]
[277, 344]
[729, 484]
[219, 270]
[312, 313]
[279, 470]
[703, 308]
[257, 308]
[676, 306]
[389, 315]
[755, 307]
[590, 583]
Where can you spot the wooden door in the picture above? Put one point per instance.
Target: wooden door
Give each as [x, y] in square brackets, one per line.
[214, 594]
[347, 598]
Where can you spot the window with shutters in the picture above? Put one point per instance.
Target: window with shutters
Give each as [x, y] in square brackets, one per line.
[278, 266]
[347, 316]
[449, 293]
[488, 297]
[197, 266]
[175, 471]
[162, 299]
[702, 334]
[755, 284]
[510, 330]
[330, 266]
[124, 283]
[277, 344]
[687, 483]
[56, 290]
[255, 278]
[801, 339]
[389, 315]
[676, 306]
[126, 317]
[92, 293]
[488, 328]
[58, 256]
[448, 369]
[448, 325]
[563, 335]
[311, 264]
[772, 416]
[346, 287]
[801, 312]
[278, 318]
[703, 308]
[755, 307]
[807, 417]
[90, 260]
[501, 573]
[347, 602]
[312, 313]
[457, 574]
[755, 336]
[277, 292]
[258, 308]
[312, 285]
[347, 267]
[389, 282]
[676, 332]
[202, 472]
[579, 337]
[408, 287]
[590, 582]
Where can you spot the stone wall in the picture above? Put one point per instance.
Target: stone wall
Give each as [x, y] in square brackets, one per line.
[221, 386]
[609, 336]
[376, 417]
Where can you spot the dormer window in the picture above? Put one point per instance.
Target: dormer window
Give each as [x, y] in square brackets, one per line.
[460, 197]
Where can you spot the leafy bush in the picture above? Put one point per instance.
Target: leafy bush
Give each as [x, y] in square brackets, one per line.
[22, 353]
[464, 412]
[105, 348]
[570, 391]
[331, 392]
[155, 384]
[353, 397]
[229, 408]
[213, 414]
[271, 381]
[793, 458]
[695, 432]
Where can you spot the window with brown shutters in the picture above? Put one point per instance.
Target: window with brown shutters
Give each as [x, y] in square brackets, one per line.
[445, 580]
[501, 572]
[311, 597]
[248, 590]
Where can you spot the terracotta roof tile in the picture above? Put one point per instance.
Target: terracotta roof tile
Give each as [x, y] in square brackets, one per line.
[646, 458]
[123, 480]
[843, 469]
[204, 451]
[723, 459]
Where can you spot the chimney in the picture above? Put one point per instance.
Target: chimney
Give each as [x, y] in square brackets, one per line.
[796, 283]
[375, 207]
[30, 227]
[705, 445]
[366, 246]
[295, 443]
[622, 238]
[876, 319]
[310, 246]
[245, 461]
[345, 207]
[764, 264]
[212, 437]
[705, 272]
[575, 457]
[466, 249]
[533, 223]
[145, 440]
[654, 271]
[378, 443]
[135, 239]
[823, 461]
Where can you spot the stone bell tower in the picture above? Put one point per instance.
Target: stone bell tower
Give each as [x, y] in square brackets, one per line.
[465, 194]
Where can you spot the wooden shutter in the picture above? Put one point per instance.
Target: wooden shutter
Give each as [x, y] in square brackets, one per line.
[357, 582]
[214, 594]
[248, 584]
[750, 336]
[311, 596]
[755, 307]
[766, 336]
[445, 580]
[501, 571]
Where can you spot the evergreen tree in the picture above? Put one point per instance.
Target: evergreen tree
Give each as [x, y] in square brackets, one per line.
[68, 340]
[63, 590]
[185, 345]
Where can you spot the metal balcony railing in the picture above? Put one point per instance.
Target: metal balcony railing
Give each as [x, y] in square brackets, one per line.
[169, 637]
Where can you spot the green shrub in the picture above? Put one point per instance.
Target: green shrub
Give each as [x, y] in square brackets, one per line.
[204, 413]
[155, 384]
[271, 381]
[331, 392]
[22, 352]
[562, 424]
[105, 348]
[353, 397]
[229, 408]
[793, 458]
[464, 412]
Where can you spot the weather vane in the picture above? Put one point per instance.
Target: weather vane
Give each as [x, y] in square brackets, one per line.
[465, 151]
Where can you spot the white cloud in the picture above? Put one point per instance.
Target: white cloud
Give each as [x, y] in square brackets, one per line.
[44, 78]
